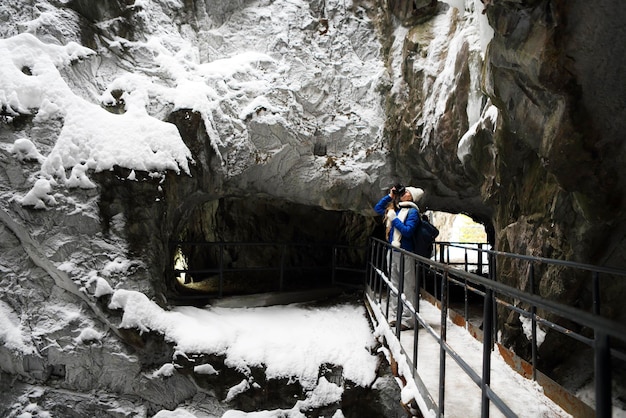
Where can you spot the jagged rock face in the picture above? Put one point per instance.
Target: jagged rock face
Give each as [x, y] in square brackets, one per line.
[551, 72]
[553, 151]
[434, 102]
[545, 173]
[565, 195]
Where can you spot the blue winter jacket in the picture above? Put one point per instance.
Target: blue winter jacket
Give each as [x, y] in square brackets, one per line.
[406, 228]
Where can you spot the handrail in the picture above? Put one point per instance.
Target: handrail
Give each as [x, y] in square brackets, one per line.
[566, 263]
[604, 329]
[600, 341]
[595, 270]
[442, 253]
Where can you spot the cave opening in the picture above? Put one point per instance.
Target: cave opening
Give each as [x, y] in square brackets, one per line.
[459, 228]
[235, 246]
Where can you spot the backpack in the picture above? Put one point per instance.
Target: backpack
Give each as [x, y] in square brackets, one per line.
[424, 237]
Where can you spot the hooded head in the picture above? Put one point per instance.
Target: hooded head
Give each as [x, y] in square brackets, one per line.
[416, 193]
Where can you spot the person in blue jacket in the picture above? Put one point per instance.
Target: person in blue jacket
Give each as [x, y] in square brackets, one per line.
[402, 218]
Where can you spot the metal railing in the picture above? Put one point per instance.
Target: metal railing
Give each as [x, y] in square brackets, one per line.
[608, 334]
[335, 265]
[471, 257]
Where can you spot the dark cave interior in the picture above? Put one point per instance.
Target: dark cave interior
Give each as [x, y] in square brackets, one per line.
[236, 246]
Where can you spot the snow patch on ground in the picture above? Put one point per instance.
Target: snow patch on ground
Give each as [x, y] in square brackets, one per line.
[291, 342]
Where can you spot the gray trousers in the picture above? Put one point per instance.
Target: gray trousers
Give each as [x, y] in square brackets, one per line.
[408, 290]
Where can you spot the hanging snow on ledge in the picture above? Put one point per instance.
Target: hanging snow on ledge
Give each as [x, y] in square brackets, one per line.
[91, 137]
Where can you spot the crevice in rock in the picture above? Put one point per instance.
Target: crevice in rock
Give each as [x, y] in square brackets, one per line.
[61, 279]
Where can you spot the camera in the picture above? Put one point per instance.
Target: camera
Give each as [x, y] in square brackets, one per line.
[398, 189]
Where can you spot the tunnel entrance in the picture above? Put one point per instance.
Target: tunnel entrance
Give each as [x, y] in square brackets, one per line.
[462, 230]
[242, 246]
[458, 227]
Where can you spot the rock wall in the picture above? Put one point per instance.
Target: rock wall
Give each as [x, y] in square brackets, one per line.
[544, 174]
[551, 71]
[539, 74]
[548, 166]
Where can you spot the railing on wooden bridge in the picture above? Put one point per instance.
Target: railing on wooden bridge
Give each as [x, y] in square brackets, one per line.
[604, 336]
[471, 257]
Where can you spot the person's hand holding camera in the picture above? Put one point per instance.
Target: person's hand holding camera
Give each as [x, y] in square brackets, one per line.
[397, 190]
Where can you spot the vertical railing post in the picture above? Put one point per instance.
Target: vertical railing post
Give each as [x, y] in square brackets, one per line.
[368, 268]
[602, 365]
[419, 282]
[443, 337]
[389, 262]
[380, 258]
[466, 303]
[375, 265]
[419, 279]
[533, 317]
[492, 266]
[221, 285]
[400, 305]
[487, 344]
[479, 260]
[489, 330]
[442, 259]
[371, 273]
[494, 313]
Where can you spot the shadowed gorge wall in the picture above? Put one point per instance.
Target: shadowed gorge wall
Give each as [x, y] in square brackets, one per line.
[543, 176]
